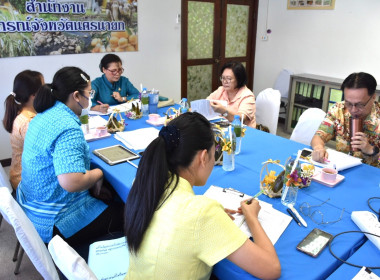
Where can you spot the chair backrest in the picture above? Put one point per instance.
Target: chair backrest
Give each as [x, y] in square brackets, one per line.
[69, 262]
[4, 179]
[267, 108]
[307, 125]
[282, 82]
[27, 235]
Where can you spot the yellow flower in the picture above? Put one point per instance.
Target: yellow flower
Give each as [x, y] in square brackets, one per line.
[269, 179]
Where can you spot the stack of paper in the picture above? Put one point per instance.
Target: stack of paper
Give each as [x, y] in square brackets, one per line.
[203, 107]
[274, 222]
[137, 139]
[96, 121]
[340, 160]
[109, 259]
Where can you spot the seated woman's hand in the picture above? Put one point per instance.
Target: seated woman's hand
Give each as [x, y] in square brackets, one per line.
[319, 154]
[100, 192]
[218, 107]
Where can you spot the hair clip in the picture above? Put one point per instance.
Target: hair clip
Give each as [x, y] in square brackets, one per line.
[14, 97]
[84, 78]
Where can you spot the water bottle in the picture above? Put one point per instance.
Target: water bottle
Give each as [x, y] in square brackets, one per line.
[290, 190]
[229, 158]
[184, 106]
[236, 124]
[145, 102]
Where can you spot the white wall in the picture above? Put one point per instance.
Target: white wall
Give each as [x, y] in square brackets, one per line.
[157, 64]
[324, 42]
[331, 43]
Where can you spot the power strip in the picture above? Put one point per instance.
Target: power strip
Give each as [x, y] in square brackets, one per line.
[368, 222]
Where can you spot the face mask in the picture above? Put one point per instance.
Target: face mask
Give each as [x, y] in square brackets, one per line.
[87, 109]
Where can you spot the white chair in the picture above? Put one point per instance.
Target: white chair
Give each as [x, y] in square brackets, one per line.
[307, 125]
[282, 84]
[28, 237]
[4, 182]
[268, 108]
[69, 262]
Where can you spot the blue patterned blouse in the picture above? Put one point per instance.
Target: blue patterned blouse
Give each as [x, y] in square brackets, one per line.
[104, 89]
[54, 145]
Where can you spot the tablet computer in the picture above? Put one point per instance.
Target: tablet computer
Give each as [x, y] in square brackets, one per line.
[115, 154]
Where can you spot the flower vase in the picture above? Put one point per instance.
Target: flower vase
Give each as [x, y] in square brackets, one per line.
[228, 161]
[238, 145]
[289, 195]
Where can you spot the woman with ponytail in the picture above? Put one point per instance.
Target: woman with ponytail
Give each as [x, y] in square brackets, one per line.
[19, 111]
[174, 234]
[56, 178]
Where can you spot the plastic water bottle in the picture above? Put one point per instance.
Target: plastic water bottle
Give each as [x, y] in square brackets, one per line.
[236, 124]
[229, 158]
[289, 193]
[145, 102]
[184, 106]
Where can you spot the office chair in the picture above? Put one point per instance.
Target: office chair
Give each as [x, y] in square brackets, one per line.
[69, 262]
[307, 125]
[282, 84]
[268, 108]
[27, 236]
[4, 182]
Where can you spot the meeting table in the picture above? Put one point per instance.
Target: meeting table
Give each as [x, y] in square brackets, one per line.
[360, 184]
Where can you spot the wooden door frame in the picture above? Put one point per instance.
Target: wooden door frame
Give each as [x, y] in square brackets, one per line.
[220, 37]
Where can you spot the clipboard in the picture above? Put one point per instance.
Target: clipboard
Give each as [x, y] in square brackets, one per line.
[274, 222]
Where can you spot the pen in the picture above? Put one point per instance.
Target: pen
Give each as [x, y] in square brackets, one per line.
[256, 195]
[131, 163]
[298, 215]
[293, 216]
[99, 102]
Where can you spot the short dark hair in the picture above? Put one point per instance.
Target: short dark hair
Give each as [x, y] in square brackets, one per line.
[107, 59]
[360, 80]
[239, 72]
[66, 81]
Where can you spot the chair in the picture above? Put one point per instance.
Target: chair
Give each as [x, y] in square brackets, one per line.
[307, 125]
[4, 182]
[282, 84]
[69, 262]
[28, 237]
[268, 108]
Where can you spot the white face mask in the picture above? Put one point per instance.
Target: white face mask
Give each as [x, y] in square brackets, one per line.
[87, 109]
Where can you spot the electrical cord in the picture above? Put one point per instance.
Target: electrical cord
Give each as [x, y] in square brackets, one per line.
[369, 205]
[353, 231]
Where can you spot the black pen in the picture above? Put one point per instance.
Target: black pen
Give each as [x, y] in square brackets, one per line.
[293, 216]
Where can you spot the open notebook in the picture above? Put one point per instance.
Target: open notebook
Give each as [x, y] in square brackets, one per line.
[203, 107]
[274, 222]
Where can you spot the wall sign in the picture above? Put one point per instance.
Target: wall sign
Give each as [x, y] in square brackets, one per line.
[311, 4]
[48, 27]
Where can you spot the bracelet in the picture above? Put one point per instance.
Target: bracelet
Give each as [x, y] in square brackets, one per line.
[225, 114]
[375, 151]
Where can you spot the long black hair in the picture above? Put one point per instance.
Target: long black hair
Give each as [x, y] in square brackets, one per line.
[66, 81]
[25, 84]
[174, 149]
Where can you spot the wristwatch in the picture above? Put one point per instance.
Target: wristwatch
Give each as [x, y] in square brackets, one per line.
[124, 98]
[225, 114]
[375, 151]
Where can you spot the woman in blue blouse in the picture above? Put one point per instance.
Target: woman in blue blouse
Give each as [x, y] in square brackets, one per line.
[56, 178]
[111, 88]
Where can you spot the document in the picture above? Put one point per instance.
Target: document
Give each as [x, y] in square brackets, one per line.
[341, 160]
[203, 107]
[96, 121]
[274, 222]
[109, 259]
[137, 139]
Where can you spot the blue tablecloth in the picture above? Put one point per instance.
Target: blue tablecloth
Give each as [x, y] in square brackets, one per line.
[360, 183]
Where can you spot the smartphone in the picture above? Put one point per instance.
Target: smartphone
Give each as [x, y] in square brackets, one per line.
[306, 152]
[314, 242]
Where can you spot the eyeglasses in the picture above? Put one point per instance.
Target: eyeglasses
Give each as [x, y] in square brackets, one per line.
[359, 106]
[116, 71]
[92, 93]
[317, 216]
[226, 79]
